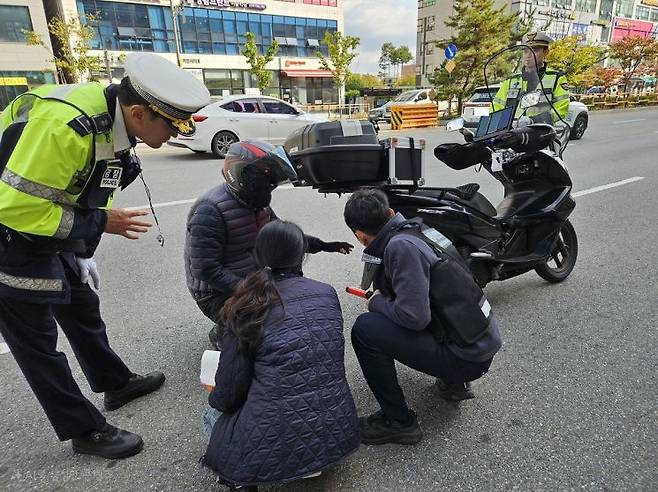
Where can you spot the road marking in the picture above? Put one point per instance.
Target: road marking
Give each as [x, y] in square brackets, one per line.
[596, 189]
[163, 204]
[4, 348]
[289, 186]
[629, 121]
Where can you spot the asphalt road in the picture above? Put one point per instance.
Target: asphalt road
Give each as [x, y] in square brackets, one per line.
[569, 403]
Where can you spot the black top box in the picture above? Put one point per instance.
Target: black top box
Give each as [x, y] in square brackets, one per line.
[337, 153]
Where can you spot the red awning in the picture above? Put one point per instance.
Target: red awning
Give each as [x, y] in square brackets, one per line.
[307, 73]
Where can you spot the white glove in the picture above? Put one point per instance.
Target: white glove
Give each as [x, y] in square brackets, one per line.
[89, 271]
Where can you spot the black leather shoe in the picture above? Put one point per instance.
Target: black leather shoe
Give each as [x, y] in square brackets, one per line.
[137, 386]
[377, 429]
[109, 442]
[454, 392]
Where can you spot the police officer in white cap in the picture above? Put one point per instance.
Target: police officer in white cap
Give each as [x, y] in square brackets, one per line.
[65, 151]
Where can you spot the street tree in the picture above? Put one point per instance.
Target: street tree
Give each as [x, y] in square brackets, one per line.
[385, 59]
[479, 31]
[574, 59]
[601, 77]
[408, 81]
[632, 51]
[258, 62]
[341, 52]
[72, 44]
[400, 57]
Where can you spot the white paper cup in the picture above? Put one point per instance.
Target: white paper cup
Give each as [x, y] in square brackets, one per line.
[209, 364]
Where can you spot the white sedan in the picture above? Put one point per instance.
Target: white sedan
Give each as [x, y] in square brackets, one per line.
[242, 117]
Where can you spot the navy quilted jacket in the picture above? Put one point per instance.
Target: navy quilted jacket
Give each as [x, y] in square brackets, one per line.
[219, 242]
[287, 411]
[221, 233]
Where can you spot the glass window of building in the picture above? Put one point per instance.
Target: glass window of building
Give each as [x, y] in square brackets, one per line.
[13, 19]
[605, 11]
[642, 13]
[625, 8]
[562, 4]
[654, 15]
[133, 27]
[541, 3]
[586, 6]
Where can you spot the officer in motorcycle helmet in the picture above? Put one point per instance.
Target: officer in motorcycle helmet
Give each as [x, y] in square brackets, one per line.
[223, 224]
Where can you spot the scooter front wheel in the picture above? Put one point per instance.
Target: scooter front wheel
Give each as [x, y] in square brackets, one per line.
[563, 258]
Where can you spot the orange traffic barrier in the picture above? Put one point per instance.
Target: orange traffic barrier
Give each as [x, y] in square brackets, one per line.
[405, 116]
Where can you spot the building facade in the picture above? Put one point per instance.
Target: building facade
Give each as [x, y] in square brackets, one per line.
[22, 66]
[211, 34]
[595, 21]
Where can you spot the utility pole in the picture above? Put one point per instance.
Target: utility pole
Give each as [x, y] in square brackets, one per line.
[175, 11]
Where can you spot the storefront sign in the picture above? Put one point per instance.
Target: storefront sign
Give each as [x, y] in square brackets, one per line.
[579, 29]
[191, 61]
[629, 27]
[651, 3]
[225, 4]
[293, 63]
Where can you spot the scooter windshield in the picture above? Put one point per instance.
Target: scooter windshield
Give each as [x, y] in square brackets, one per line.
[517, 90]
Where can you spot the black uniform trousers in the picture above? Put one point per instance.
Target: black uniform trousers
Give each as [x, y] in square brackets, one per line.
[378, 342]
[30, 331]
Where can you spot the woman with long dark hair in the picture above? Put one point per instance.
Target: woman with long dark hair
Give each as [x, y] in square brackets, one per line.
[282, 404]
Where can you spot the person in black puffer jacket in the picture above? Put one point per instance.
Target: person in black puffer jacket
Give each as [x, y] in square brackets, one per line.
[281, 409]
[223, 223]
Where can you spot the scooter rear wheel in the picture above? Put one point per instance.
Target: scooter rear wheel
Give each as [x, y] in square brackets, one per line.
[564, 256]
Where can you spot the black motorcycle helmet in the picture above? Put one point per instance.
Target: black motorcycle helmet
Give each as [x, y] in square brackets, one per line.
[253, 168]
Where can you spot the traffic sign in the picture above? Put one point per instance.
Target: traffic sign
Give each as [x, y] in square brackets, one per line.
[450, 51]
[450, 66]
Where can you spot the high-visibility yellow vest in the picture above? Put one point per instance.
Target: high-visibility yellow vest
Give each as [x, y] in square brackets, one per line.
[52, 137]
[555, 90]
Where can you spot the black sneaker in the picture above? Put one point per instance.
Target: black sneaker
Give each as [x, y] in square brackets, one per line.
[454, 392]
[109, 442]
[215, 337]
[137, 386]
[377, 429]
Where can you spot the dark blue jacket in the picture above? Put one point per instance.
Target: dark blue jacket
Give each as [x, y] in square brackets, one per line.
[407, 262]
[287, 410]
[221, 233]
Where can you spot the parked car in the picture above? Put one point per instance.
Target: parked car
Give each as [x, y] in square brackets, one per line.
[416, 96]
[479, 104]
[242, 117]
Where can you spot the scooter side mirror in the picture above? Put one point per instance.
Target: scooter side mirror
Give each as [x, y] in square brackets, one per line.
[455, 125]
[468, 134]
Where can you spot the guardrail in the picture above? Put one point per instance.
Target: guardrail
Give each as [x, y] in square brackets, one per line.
[613, 101]
[414, 116]
[333, 111]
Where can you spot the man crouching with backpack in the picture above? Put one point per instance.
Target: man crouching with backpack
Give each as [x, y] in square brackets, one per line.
[426, 312]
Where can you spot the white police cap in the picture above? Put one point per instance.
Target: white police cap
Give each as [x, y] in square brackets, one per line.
[537, 38]
[172, 92]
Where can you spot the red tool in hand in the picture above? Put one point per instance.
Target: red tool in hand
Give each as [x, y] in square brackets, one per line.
[355, 291]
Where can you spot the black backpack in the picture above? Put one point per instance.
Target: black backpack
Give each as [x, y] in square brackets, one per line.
[460, 311]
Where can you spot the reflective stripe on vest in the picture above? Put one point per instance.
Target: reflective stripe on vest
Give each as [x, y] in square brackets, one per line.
[65, 223]
[33, 284]
[35, 189]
